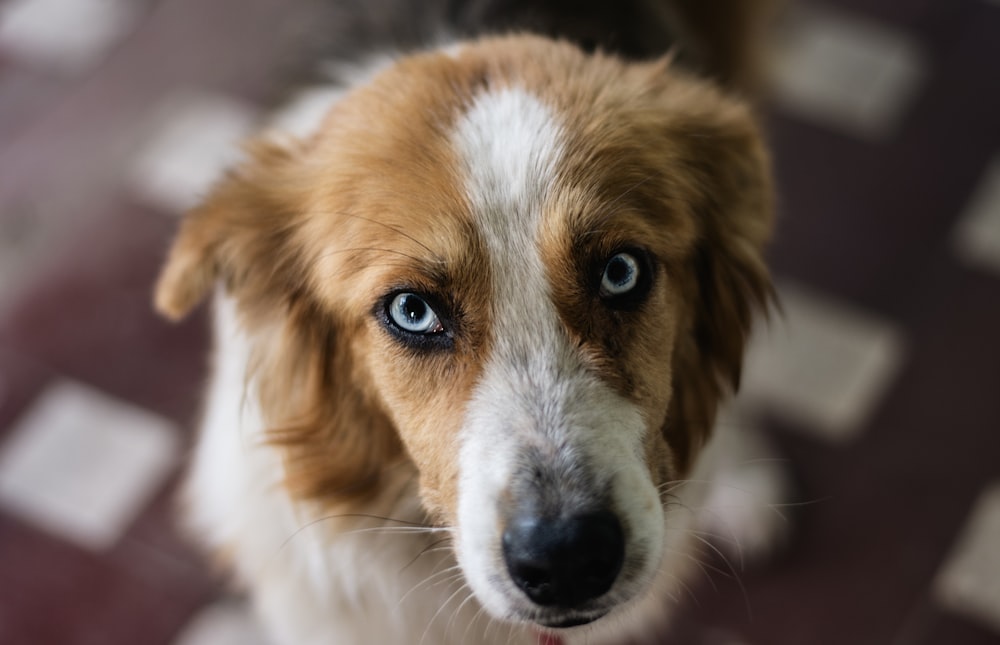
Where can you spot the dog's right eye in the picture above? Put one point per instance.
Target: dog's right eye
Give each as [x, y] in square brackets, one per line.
[411, 313]
[621, 275]
[625, 279]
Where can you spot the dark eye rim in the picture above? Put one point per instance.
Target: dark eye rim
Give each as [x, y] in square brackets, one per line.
[633, 299]
[423, 341]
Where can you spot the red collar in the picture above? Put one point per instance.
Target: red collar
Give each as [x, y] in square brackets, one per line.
[549, 639]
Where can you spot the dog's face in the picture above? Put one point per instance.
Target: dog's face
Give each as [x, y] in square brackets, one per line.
[525, 271]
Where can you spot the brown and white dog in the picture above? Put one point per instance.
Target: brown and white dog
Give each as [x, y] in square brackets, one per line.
[473, 325]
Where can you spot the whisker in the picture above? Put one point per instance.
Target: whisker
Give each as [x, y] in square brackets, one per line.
[714, 535]
[359, 249]
[491, 624]
[665, 570]
[409, 527]
[399, 232]
[731, 537]
[458, 610]
[609, 210]
[430, 623]
[385, 518]
[447, 576]
[683, 585]
[811, 502]
[706, 566]
[736, 576]
[475, 619]
[701, 565]
[430, 548]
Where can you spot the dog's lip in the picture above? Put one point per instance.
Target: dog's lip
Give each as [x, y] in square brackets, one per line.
[572, 620]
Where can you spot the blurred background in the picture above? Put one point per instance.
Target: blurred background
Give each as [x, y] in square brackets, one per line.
[880, 385]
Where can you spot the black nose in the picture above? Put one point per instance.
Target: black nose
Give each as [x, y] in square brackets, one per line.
[564, 561]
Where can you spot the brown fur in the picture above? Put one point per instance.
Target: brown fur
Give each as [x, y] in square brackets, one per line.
[308, 236]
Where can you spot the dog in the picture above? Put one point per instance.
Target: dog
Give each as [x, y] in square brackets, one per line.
[474, 318]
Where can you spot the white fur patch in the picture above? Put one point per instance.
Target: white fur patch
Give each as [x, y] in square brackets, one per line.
[235, 480]
[535, 392]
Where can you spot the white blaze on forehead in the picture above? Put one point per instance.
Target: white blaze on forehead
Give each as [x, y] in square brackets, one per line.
[534, 391]
[510, 144]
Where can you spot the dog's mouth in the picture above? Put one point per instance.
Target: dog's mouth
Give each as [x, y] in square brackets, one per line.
[571, 620]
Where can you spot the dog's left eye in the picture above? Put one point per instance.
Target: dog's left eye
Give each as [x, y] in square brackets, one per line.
[412, 314]
[621, 275]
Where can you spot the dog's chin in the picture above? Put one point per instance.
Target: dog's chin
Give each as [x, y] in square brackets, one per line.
[567, 621]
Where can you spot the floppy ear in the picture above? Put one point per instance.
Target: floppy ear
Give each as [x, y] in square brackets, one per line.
[189, 272]
[730, 193]
[334, 438]
[236, 236]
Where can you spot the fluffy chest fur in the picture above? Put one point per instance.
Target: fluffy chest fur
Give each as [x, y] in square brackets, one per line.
[472, 331]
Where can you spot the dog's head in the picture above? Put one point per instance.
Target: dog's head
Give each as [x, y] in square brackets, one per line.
[528, 272]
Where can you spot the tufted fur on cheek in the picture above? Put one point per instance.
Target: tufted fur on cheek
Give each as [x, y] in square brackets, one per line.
[728, 193]
[337, 441]
[246, 237]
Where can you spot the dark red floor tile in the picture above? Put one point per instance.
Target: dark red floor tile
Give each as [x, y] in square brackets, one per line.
[888, 507]
[159, 532]
[942, 628]
[21, 380]
[89, 316]
[53, 593]
[860, 219]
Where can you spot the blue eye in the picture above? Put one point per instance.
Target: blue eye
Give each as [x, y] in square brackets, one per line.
[621, 275]
[411, 313]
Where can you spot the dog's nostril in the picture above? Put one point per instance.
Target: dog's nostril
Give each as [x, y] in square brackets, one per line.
[564, 561]
[537, 583]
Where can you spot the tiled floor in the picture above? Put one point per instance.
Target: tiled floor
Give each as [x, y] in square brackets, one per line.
[81, 465]
[881, 386]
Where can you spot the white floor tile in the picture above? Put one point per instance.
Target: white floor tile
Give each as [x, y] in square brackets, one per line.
[305, 112]
[82, 465]
[224, 623]
[969, 581]
[823, 365]
[68, 35]
[977, 236]
[845, 72]
[194, 138]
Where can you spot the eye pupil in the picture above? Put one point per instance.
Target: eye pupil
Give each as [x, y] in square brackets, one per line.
[413, 308]
[621, 275]
[411, 313]
[619, 271]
